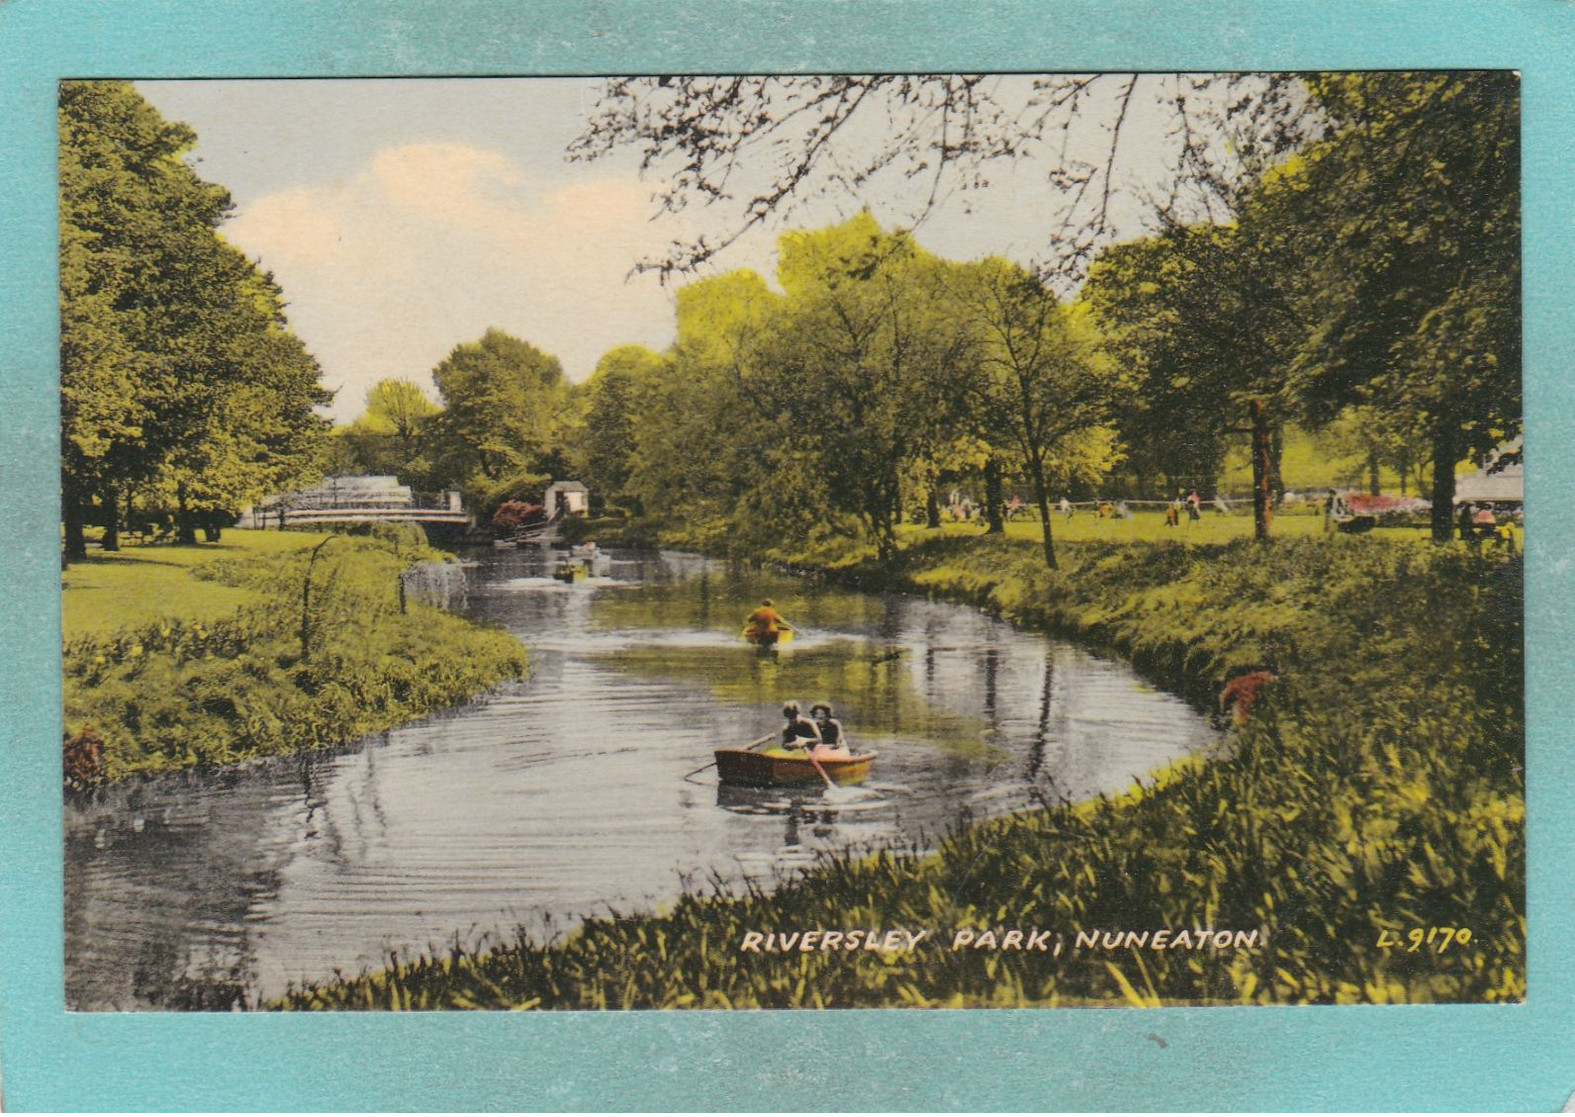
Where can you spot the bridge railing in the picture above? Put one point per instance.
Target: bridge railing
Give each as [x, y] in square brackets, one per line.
[360, 499]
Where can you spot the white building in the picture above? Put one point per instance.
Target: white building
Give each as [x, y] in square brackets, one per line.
[1503, 481]
[566, 498]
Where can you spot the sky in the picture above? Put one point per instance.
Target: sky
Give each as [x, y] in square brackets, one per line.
[403, 217]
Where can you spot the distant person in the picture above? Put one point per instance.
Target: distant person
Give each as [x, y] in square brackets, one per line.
[1172, 515]
[1464, 523]
[1241, 690]
[799, 732]
[1065, 508]
[1122, 510]
[765, 625]
[1220, 505]
[1193, 505]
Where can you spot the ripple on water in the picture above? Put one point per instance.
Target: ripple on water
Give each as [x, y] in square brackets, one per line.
[565, 795]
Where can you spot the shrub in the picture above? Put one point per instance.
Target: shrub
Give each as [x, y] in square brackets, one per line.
[179, 693]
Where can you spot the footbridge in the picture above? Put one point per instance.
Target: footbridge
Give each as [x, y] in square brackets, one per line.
[348, 500]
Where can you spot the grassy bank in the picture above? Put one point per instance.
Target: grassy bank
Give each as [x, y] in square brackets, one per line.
[1375, 795]
[178, 656]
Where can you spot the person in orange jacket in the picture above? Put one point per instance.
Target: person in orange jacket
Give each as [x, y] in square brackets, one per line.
[765, 625]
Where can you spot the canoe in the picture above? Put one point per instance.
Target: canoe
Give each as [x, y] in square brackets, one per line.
[777, 767]
[767, 639]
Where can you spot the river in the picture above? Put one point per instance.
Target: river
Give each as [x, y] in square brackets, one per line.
[564, 795]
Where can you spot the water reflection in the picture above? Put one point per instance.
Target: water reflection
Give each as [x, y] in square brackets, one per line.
[565, 795]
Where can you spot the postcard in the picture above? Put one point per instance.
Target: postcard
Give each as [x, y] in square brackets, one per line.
[595, 552]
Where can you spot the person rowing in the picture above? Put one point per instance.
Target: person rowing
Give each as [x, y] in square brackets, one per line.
[799, 732]
[765, 625]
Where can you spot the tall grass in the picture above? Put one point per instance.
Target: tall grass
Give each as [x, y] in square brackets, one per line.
[285, 670]
[1376, 790]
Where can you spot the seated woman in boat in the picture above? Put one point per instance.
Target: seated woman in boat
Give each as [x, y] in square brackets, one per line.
[765, 625]
[799, 732]
[832, 742]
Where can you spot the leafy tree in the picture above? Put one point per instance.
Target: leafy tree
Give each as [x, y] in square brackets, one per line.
[1411, 213]
[127, 204]
[398, 407]
[1377, 438]
[504, 412]
[613, 411]
[252, 428]
[1207, 320]
[178, 371]
[390, 435]
[859, 364]
[705, 453]
[1047, 390]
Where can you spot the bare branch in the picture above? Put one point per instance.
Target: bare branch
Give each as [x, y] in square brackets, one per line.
[759, 147]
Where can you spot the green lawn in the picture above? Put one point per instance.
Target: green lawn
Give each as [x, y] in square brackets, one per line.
[135, 586]
[1148, 526]
[200, 655]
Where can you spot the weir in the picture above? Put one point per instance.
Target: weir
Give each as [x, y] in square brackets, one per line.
[439, 584]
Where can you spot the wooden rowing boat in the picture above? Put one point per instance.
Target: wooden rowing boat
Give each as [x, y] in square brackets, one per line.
[764, 639]
[779, 767]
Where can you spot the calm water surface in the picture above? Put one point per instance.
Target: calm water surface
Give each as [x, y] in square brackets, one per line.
[564, 795]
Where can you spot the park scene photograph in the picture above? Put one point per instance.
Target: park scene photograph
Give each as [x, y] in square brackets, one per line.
[792, 541]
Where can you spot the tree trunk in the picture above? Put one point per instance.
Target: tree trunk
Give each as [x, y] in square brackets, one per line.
[932, 509]
[1372, 472]
[1042, 499]
[75, 549]
[109, 498]
[992, 497]
[1262, 472]
[882, 509]
[1446, 448]
[186, 531]
[1276, 453]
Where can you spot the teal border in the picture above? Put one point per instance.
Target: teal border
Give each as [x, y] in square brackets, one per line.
[1465, 1057]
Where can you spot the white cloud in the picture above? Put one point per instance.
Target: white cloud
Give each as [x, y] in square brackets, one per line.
[429, 244]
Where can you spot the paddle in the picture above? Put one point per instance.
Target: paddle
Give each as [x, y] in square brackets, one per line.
[809, 754]
[747, 748]
[829, 785]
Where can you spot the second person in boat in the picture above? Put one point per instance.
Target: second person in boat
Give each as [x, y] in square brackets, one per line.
[832, 741]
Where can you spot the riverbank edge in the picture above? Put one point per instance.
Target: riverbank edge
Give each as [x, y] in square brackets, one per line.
[601, 963]
[1171, 668]
[410, 663]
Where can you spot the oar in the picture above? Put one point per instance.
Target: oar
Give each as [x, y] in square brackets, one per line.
[747, 748]
[810, 754]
